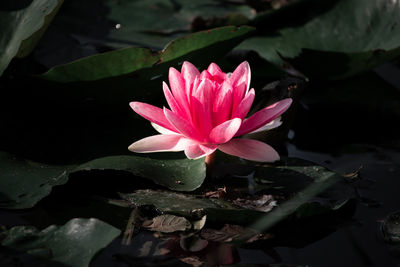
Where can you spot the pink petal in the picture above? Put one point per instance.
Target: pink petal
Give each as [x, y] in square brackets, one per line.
[189, 73]
[182, 126]
[222, 104]
[161, 129]
[240, 80]
[196, 151]
[159, 143]
[269, 126]
[152, 113]
[177, 84]
[250, 149]
[170, 99]
[205, 75]
[225, 131]
[202, 107]
[264, 116]
[239, 92]
[196, 84]
[216, 72]
[241, 75]
[214, 69]
[244, 106]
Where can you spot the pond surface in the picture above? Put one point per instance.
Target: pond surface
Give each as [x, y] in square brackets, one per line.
[360, 243]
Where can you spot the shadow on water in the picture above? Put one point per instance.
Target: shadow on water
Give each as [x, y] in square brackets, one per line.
[10, 5]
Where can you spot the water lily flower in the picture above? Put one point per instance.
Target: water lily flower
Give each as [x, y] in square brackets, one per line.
[207, 111]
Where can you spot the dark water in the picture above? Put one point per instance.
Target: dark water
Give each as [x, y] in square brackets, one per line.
[360, 244]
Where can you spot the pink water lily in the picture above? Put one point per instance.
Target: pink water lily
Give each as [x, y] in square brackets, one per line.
[207, 111]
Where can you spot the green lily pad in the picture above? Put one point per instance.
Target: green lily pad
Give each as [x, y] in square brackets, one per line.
[295, 182]
[128, 60]
[176, 174]
[73, 244]
[366, 35]
[22, 28]
[23, 183]
[139, 72]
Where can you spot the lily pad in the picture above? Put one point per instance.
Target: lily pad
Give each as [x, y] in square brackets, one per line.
[176, 174]
[22, 28]
[366, 35]
[138, 72]
[23, 183]
[126, 61]
[298, 183]
[73, 244]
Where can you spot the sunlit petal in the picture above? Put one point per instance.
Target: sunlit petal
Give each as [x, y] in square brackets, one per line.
[250, 149]
[160, 143]
[244, 106]
[269, 126]
[196, 151]
[264, 116]
[152, 113]
[225, 131]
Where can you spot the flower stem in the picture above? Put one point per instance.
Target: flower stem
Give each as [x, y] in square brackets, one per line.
[209, 160]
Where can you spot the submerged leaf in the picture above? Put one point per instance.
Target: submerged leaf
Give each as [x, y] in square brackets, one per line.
[171, 202]
[231, 233]
[263, 203]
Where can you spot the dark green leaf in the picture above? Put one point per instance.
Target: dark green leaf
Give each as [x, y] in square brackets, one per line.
[21, 29]
[23, 183]
[366, 35]
[176, 174]
[73, 244]
[129, 60]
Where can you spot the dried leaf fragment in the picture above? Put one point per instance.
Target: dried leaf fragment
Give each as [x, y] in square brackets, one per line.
[167, 223]
[264, 203]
